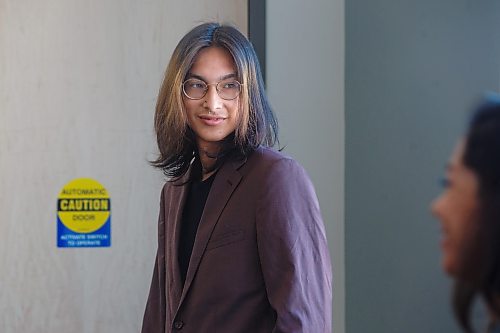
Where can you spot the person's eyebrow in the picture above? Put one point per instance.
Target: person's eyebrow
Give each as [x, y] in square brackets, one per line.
[227, 76]
[221, 78]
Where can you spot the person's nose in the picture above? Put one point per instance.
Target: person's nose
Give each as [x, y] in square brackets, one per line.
[435, 206]
[212, 99]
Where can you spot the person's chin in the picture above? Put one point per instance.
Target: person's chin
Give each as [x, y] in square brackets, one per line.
[448, 266]
[211, 139]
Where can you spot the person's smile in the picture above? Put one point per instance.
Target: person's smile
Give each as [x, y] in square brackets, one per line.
[211, 120]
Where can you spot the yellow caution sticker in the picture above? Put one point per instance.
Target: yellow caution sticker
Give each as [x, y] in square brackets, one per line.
[83, 214]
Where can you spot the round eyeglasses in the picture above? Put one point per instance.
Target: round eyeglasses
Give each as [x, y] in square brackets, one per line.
[197, 89]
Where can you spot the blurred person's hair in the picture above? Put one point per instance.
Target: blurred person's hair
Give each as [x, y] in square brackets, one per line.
[481, 273]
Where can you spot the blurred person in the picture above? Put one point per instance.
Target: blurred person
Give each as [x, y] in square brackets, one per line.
[469, 212]
[241, 241]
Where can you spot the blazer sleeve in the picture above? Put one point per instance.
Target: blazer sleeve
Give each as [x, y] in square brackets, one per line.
[154, 315]
[293, 250]
[153, 318]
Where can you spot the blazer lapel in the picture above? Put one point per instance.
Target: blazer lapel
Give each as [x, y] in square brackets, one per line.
[225, 183]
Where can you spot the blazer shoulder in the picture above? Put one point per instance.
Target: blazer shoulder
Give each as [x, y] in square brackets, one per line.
[274, 164]
[269, 155]
[168, 190]
[165, 188]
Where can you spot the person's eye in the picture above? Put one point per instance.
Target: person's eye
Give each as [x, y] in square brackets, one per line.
[195, 84]
[230, 85]
[444, 182]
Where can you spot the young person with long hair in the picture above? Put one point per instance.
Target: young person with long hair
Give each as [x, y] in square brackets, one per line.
[241, 241]
[469, 211]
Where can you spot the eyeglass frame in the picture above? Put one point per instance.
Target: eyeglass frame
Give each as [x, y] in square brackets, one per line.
[206, 90]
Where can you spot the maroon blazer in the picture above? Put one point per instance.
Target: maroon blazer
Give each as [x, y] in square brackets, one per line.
[260, 262]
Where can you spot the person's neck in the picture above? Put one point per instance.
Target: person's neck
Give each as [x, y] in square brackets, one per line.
[208, 160]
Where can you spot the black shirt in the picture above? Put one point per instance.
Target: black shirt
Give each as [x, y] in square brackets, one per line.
[191, 215]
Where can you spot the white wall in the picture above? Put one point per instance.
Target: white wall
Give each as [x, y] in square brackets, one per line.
[305, 75]
[78, 83]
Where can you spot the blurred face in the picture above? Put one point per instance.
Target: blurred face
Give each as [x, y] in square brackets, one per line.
[212, 118]
[457, 210]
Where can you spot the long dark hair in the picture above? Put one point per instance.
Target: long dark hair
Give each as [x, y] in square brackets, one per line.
[257, 122]
[482, 156]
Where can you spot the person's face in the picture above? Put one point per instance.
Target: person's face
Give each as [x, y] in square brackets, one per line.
[212, 118]
[457, 209]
